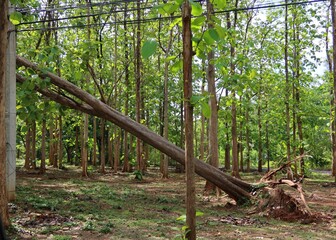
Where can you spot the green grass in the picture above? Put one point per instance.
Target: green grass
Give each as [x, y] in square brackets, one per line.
[128, 209]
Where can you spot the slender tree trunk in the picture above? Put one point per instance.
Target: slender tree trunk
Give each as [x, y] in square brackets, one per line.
[51, 143]
[287, 89]
[248, 147]
[55, 146]
[138, 87]
[94, 150]
[116, 151]
[213, 121]
[60, 142]
[260, 158]
[102, 146]
[126, 167]
[332, 77]
[202, 134]
[43, 145]
[235, 161]
[333, 18]
[33, 145]
[188, 109]
[3, 159]
[27, 163]
[166, 104]
[110, 146]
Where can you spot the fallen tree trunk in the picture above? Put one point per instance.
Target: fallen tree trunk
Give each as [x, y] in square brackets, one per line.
[235, 188]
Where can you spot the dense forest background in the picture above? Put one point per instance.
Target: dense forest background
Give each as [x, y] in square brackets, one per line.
[262, 82]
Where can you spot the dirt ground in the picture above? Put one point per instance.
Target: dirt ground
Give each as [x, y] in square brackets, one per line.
[62, 205]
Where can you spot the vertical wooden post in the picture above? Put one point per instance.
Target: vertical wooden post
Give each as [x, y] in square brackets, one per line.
[188, 110]
[11, 108]
[3, 179]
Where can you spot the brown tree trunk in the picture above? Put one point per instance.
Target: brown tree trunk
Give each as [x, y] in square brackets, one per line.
[287, 89]
[260, 158]
[166, 103]
[235, 161]
[33, 145]
[28, 140]
[3, 160]
[213, 121]
[188, 110]
[248, 147]
[102, 146]
[116, 150]
[138, 88]
[43, 145]
[333, 17]
[94, 150]
[126, 166]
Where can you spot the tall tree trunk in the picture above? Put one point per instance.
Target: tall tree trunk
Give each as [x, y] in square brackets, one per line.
[235, 162]
[213, 121]
[3, 159]
[287, 88]
[138, 88]
[126, 166]
[166, 103]
[188, 109]
[333, 17]
[202, 134]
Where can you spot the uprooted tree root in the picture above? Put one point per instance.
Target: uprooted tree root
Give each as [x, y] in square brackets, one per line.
[276, 203]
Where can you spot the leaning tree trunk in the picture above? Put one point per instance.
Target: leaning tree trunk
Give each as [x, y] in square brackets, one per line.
[235, 188]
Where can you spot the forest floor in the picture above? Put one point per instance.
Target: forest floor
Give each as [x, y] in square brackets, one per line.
[62, 205]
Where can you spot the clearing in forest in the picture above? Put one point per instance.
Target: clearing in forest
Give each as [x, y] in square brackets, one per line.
[63, 205]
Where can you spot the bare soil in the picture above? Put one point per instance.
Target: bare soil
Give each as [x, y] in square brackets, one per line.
[62, 205]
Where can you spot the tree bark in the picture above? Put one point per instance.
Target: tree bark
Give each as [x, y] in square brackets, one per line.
[287, 89]
[235, 188]
[3, 160]
[188, 119]
[333, 17]
[213, 121]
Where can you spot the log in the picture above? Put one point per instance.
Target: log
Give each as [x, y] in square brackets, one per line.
[235, 188]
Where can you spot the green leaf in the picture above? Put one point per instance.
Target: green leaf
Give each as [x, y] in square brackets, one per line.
[197, 23]
[15, 18]
[196, 8]
[221, 4]
[176, 66]
[148, 48]
[207, 113]
[199, 214]
[167, 8]
[195, 99]
[207, 37]
[182, 218]
[213, 34]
